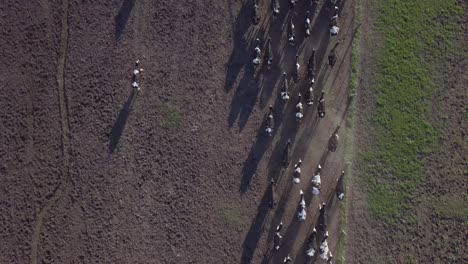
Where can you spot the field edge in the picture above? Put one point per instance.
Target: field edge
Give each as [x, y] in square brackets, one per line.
[349, 148]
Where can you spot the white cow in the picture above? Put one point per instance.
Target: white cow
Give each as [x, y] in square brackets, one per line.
[302, 214]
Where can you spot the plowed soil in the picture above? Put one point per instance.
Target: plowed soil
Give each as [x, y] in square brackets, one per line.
[95, 172]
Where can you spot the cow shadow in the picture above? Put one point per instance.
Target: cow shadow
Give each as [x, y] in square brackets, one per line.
[121, 121]
[240, 51]
[256, 229]
[249, 170]
[122, 17]
[256, 153]
[245, 97]
[260, 146]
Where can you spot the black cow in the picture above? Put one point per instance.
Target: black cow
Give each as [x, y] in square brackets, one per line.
[322, 217]
[333, 142]
[311, 66]
[292, 3]
[340, 187]
[276, 7]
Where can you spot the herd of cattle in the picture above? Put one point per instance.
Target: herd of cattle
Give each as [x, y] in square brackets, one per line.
[311, 65]
[317, 237]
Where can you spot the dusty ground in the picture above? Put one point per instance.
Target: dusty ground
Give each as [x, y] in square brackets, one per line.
[441, 232]
[95, 173]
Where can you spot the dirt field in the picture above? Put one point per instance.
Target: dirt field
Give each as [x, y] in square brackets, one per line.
[93, 172]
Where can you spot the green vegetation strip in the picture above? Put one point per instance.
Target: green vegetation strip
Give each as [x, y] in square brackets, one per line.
[414, 37]
[349, 149]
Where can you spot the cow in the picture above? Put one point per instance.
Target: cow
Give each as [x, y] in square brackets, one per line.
[333, 28]
[268, 53]
[331, 6]
[307, 26]
[311, 68]
[258, 52]
[284, 88]
[334, 16]
[292, 3]
[256, 13]
[321, 106]
[309, 95]
[302, 212]
[296, 69]
[333, 142]
[340, 187]
[316, 181]
[297, 172]
[278, 237]
[276, 7]
[299, 109]
[291, 33]
[136, 76]
[269, 122]
[311, 244]
[324, 250]
[322, 217]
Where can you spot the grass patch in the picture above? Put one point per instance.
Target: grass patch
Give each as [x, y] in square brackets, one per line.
[232, 216]
[381, 260]
[415, 35]
[452, 208]
[172, 116]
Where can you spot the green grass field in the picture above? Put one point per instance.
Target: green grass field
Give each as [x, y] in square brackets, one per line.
[413, 37]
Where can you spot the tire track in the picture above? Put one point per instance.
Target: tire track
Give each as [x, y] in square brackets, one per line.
[65, 126]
